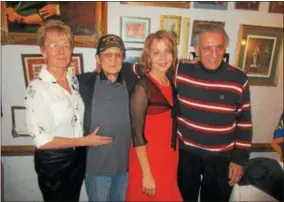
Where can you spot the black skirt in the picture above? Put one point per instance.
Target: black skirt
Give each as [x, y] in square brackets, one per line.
[60, 173]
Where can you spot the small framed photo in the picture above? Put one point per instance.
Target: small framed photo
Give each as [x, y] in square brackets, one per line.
[134, 29]
[197, 24]
[133, 55]
[276, 7]
[216, 5]
[32, 64]
[193, 56]
[19, 127]
[172, 24]
[258, 52]
[247, 5]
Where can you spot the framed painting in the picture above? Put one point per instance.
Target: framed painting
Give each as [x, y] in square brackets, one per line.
[172, 24]
[193, 56]
[276, 7]
[174, 4]
[134, 29]
[32, 64]
[216, 5]
[21, 19]
[247, 5]
[258, 52]
[133, 55]
[197, 24]
[19, 128]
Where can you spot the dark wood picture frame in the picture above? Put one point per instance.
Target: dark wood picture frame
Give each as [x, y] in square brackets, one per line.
[258, 53]
[88, 21]
[197, 24]
[32, 64]
[276, 7]
[247, 5]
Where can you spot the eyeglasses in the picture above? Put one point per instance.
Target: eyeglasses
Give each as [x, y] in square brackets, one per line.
[55, 46]
[110, 55]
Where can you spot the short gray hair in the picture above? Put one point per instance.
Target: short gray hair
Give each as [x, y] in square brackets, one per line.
[210, 27]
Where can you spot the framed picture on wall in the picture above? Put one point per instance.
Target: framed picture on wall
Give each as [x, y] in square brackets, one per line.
[174, 4]
[134, 29]
[247, 5]
[19, 127]
[172, 24]
[216, 5]
[276, 7]
[88, 20]
[133, 55]
[32, 64]
[258, 53]
[197, 24]
[193, 56]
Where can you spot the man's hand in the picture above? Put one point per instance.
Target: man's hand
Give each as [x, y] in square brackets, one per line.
[235, 173]
[49, 10]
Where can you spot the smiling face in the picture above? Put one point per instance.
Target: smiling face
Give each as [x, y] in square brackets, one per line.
[56, 50]
[110, 60]
[211, 49]
[161, 56]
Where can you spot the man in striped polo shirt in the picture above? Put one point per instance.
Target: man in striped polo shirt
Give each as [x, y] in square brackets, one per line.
[215, 127]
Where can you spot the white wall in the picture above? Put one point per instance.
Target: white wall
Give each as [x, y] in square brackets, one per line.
[267, 102]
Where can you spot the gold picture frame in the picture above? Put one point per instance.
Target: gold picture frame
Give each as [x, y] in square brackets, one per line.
[172, 24]
[173, 4]
[258, 52]
[88, 21]
[17, 150]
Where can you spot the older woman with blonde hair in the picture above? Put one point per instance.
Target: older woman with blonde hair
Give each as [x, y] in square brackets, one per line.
[153, 159]
[54, 110]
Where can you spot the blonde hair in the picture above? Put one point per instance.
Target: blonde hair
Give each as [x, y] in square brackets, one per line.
[169, 41]
[53, 25]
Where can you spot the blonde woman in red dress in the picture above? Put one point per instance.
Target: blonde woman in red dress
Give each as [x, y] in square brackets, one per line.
[154, 157]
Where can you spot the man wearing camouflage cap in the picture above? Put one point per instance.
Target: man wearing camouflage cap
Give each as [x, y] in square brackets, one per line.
[106, 97]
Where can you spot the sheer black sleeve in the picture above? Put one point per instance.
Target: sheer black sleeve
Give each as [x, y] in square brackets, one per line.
[138, 108]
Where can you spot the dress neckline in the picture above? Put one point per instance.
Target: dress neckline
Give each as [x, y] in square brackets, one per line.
[157, 82]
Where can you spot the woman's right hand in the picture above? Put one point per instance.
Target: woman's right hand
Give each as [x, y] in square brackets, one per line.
[95, 140]
[149, 185]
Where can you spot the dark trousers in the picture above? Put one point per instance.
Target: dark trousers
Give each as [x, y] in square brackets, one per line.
[214, 183]
[60, 173]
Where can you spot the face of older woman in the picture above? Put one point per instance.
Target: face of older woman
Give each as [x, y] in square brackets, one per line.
[56, 50]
